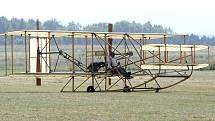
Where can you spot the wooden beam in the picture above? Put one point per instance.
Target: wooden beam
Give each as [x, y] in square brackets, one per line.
[38, 64]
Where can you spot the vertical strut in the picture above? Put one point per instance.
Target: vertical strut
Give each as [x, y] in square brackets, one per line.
[125, 58]
[49, 41]
[46, 58]
[26, 58]
[141, 51]
[208, 55]
[194, 54]
[38, 64]
[180, 54]
[184, 51]
[125, 51]
[106, 54]
[92, 60]
[73, 65]
[165, 52]
[110, 29]
[29, 52]
[12, 53]
[86, 51]
[5, 50]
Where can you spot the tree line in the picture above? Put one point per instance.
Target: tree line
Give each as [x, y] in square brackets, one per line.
[120, 26]
[53, 24]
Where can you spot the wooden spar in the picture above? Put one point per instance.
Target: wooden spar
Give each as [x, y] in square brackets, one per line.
[170, 66]
[38, 65]
[110, 29]
[172, 47]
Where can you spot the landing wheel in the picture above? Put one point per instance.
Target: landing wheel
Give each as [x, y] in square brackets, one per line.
[90, 89]
[156, 90]
[126, 89]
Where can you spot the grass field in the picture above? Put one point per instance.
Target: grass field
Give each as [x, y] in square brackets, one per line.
[21, 100]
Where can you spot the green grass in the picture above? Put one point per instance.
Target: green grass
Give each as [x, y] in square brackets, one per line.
[21, 100]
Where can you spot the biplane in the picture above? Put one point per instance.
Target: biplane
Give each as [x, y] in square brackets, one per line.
[107, 61]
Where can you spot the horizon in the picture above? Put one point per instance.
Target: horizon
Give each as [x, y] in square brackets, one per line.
[181, 16]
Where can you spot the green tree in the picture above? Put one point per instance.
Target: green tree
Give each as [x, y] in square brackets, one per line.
[101, 27]
[16, 24]
[157, 29]
[122, 26]
[72, 26]
[135, 27]
[147, 27]
[53, 24]
[3, 24]
[31, 24]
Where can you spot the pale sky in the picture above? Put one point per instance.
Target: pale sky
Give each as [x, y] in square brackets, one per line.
[183, 16]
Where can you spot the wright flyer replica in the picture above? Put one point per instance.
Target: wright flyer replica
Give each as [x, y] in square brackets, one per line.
[104, 61]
